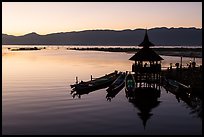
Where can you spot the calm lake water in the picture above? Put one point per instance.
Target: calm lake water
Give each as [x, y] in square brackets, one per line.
[36, 97]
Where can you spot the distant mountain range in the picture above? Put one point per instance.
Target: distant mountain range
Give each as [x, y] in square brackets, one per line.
[158, 36]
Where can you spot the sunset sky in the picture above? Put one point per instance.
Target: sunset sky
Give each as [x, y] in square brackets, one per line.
[19, 18]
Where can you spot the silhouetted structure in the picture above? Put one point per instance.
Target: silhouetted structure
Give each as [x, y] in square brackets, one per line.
[147, 66]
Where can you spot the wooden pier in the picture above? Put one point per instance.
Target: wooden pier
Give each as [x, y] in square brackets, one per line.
[191, 76]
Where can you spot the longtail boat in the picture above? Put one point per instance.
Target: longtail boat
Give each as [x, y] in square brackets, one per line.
[116, 86]
[118, 83]
[175, 86]
[130, 84]
[95, 84]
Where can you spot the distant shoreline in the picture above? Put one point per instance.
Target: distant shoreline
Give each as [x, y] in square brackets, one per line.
[184, 52]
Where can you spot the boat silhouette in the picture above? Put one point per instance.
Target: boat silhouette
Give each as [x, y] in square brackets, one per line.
[130, 84]
[92, 85]
[116, 86]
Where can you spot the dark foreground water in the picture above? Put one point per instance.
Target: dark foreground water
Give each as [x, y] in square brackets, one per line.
[36, 97]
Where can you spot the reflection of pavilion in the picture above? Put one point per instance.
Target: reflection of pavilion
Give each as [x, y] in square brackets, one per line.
[144, 99]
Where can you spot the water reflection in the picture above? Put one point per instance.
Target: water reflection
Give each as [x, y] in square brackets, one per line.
[111, 94]
[196, 106]
[144, 99]
[191, 100]
[79, 93]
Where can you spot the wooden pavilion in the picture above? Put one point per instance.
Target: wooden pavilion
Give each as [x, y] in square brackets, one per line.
[147, 65]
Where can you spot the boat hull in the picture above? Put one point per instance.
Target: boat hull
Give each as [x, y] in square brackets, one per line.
[118, 83]
[92, 85]
[130, 84]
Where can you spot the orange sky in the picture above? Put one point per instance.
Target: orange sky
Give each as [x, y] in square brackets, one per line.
[19, 18]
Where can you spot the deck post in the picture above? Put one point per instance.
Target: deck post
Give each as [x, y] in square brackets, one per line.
[77, 80]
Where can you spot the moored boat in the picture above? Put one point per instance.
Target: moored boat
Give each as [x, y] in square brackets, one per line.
[118, 83]
[116, 86]
[130, 84]
[95, 84]
[175, 86]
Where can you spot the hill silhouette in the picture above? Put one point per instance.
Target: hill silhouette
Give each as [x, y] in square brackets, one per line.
[158, 36]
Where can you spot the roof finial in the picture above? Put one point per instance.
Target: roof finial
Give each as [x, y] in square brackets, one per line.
[146, 31]
[146, 43]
